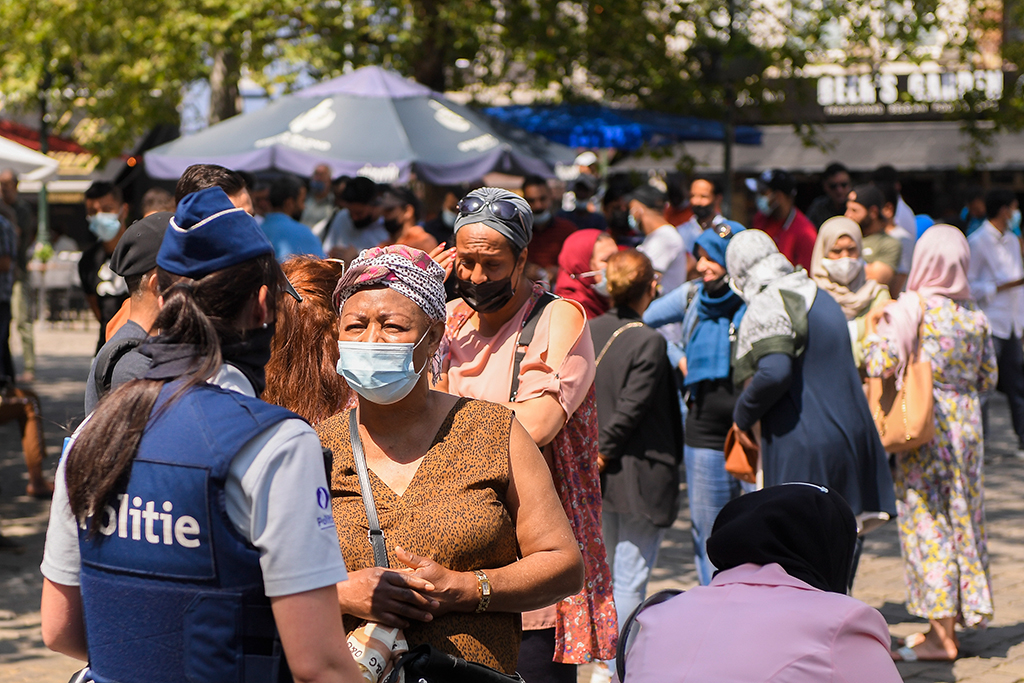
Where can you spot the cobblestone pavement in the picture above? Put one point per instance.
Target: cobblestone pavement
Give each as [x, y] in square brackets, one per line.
[994, 655]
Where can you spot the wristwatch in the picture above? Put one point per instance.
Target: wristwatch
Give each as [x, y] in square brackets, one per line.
[483, 587]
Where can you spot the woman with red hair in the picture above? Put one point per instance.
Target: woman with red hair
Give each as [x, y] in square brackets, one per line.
[301, 373]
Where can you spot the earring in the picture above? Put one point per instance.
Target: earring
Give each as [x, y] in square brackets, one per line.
[265, 326]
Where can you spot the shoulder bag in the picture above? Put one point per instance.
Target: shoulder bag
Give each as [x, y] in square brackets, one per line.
[423, 663]
[740, 460]
[905, 417]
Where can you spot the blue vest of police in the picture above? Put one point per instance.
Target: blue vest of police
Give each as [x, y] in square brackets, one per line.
[171, 591]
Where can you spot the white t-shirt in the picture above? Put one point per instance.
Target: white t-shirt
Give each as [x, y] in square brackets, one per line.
[690, 231]
[272, 496]
[667, 252]
[342, 232]
[904, 217]
[907, 243]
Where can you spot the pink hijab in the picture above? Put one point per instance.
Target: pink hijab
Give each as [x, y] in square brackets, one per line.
[941, 258]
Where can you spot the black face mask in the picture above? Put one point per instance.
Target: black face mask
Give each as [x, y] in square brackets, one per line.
[618, 222]
[485, 297]
[703, 212]
[363, 222]
[393, 227]
[251, 354]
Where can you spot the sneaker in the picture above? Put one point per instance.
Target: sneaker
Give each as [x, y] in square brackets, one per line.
[600, 673]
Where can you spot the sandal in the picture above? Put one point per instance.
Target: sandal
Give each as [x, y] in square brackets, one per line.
[909, 654]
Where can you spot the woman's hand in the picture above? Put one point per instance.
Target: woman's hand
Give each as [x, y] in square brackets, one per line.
[746, 438]
[454, 591]
[872, 318]
[387, 597]
[444, 258]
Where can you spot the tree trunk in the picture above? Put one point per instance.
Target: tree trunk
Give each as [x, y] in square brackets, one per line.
[224, 99]
[429, 67]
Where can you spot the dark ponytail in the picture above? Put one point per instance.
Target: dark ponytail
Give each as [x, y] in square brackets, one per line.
[203, 313]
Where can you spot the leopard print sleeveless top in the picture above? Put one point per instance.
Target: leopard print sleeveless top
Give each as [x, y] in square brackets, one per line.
[453, 512]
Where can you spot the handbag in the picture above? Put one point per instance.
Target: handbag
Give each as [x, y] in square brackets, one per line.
[740, 460]
[904, 417]
[423, 663]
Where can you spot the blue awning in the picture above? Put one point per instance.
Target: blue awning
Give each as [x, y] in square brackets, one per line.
[592, 126]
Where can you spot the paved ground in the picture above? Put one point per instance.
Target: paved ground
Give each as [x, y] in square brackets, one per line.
[995, 655]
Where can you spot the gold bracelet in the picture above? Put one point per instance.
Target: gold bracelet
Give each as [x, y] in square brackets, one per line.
[483, 587]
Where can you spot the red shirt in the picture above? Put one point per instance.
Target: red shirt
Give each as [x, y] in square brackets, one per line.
[547, 244]
[794, 235]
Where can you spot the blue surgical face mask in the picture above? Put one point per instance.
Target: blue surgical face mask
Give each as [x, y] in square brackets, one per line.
[601, 287]
[105, 226]
[542, 218]
[317, 186]
[764, 205]
[634, 224]
[448, 217]
[381, 373]
[1014, 225]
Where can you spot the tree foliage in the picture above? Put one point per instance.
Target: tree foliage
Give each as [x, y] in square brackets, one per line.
[124, 65]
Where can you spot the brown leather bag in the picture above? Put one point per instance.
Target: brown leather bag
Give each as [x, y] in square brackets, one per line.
[905, 418]
[740, 461]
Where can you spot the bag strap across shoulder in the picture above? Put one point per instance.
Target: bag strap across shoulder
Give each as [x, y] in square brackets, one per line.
[615, 335]
[529, 328]
[377, 541]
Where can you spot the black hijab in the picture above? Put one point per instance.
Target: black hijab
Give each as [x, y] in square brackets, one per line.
[807, 529]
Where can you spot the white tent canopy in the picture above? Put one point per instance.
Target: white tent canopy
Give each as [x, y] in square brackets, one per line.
[27, 163]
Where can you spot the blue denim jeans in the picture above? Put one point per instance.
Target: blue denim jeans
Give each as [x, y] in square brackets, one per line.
[632, 543]
[709, 487]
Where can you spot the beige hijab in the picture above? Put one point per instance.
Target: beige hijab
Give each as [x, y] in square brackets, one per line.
[854, 298]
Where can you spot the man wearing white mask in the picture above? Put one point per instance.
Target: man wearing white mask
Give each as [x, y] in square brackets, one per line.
[549, 231]
[996, 275]
[105, 290]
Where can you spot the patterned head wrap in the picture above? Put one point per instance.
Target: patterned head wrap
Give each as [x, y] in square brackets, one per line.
[408, 271]
[515, 231]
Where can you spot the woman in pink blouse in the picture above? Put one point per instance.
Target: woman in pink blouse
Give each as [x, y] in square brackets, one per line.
[777, 609]
[510, 342]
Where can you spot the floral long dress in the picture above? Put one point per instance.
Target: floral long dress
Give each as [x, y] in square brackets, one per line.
[939, 487]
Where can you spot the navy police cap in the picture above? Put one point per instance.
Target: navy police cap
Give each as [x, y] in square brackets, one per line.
[208, 233]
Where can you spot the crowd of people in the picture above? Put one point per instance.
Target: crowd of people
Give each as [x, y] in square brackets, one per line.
[466, 435]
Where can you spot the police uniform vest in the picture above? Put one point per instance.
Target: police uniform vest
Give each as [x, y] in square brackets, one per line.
[171, 590]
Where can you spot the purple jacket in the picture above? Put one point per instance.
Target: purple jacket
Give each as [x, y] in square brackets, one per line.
[755, 623]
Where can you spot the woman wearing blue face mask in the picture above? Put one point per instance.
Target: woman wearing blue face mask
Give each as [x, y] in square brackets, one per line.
[449, 478]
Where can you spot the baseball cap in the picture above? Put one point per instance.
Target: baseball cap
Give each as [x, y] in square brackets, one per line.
[208, 233]
[136, 251]
[772, 179]
[868, 196]
[649, 196]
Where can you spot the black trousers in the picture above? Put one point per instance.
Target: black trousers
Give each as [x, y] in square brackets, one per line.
[535, 659]
[6, 359]
[1010, 359]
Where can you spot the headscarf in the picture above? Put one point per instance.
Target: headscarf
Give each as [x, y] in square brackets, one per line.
[516, 232]
[709, 349]
[939, 268]
[807, 529]
[408, 271]
[778, 298]
[577, 250]
[856, 296]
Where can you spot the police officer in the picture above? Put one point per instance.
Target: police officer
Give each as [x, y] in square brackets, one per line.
[191, 536]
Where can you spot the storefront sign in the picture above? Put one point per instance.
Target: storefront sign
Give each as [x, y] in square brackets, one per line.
[916, 94]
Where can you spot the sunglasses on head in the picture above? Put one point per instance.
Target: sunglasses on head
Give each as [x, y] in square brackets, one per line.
[499, 208]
